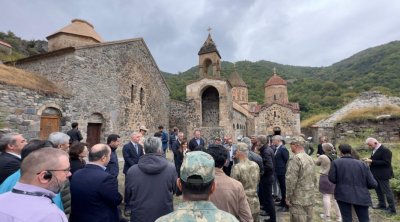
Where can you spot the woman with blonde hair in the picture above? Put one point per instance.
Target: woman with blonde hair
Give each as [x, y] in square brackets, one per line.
[325, 186]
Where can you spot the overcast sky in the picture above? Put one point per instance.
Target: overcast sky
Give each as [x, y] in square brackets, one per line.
[293, 32]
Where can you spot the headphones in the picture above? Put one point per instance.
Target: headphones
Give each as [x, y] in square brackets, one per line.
[47, 175]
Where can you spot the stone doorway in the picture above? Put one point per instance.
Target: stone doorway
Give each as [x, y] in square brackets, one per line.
[210, 107]
[93, 133]
[277, 131]
[49, 122]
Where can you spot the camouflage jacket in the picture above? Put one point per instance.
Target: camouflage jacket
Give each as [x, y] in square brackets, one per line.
[197, 211]
[301, 180]
[247, 172]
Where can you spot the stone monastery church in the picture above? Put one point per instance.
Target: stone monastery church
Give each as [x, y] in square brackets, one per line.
[220, 107]
[115, 87]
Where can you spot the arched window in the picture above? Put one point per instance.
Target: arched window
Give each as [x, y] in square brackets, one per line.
[274, 97]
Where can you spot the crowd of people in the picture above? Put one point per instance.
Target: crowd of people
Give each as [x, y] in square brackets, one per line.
[63, 179]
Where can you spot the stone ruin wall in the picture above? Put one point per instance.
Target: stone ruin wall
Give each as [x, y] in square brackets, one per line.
[20, 109]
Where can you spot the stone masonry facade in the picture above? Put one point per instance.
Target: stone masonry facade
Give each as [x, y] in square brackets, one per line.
[116, 83]
[21, 109]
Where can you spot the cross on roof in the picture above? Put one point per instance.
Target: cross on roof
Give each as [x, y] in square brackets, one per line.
[209, 29]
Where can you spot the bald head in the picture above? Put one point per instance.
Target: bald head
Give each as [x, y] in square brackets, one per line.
[100, 153]
[41, 160]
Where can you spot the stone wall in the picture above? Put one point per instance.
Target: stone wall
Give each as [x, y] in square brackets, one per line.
[117, 81]
[365, 100]
[21, 108]
[385, 130]
[178, 116]
[239, 124]
[277, 116]
[66, 40]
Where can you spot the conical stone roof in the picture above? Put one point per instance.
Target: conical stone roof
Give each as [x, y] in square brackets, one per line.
[209, 47]
[79, 27]
[236, 80]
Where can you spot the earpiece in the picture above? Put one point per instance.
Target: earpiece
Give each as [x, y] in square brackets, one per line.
[47, 175]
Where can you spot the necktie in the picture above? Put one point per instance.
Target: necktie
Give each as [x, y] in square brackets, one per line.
[136, 148]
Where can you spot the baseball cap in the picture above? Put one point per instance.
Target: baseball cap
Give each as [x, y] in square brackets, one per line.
[296, 140]
[198, 163]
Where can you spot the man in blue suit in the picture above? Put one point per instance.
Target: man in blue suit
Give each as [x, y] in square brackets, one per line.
[131, 152]
[281, 158]
[94, 192]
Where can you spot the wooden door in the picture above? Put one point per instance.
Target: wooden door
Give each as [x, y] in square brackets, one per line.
[48, 124]
[93, 133]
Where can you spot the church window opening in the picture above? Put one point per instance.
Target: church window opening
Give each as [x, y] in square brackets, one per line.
[208, 67]
[132, 93]
[274, 113]
[237, 125]
[275, 97]
[141, 97]
[210, 107]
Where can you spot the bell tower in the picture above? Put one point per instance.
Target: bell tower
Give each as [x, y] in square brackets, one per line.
[209, 59]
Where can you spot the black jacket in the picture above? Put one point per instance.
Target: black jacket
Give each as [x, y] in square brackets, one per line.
[149, 187]
[9, 164]
[74, 135]
[268, 156]
[131, 157]
[353, 179]
[94, 195]
[113, 166]
[193, 144]
[381, 166]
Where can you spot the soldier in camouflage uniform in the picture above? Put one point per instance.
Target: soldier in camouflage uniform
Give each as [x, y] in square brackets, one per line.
[197, 184]
[300, 182]
[247, 172]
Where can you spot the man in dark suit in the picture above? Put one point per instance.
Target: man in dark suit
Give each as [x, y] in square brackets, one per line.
[94, 192]
[281, 158]
[381, 167]
[175, 147]
[131, 152]
[267, 179]
[74, 133]
[11, 145]
[113, 141]
[196, 141]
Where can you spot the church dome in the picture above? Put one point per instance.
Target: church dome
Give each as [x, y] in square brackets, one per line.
[79, 27]
[275, 80]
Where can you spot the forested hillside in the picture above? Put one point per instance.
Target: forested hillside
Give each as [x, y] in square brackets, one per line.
[21, 48]
[317, 89]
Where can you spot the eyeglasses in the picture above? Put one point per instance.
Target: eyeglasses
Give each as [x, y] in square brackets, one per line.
[65, 171]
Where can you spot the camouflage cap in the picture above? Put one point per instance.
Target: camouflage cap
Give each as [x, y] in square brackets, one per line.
[200, 164]
[242, 147]
[296, 140]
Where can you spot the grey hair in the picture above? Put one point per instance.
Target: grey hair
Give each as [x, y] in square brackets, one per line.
[277, 137]
[328, 147]
[262, 139]
[247, 141]
[58, 138]
[7, 139]
[152, 145]
[371, 139]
